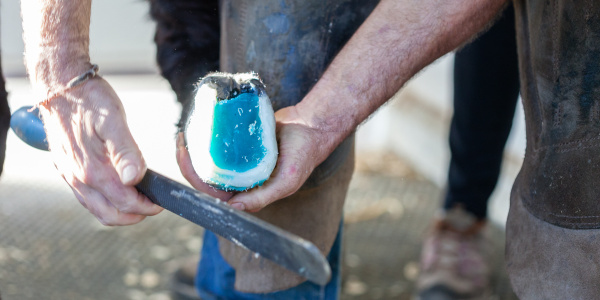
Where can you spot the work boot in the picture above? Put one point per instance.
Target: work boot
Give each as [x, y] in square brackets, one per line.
[455, 259]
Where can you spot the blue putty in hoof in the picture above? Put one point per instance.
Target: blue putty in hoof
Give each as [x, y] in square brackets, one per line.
[236, 142]
[230, 132]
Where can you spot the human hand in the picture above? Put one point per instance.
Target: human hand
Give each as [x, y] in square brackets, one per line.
[95, 153]
[187, 170]
[301, 149]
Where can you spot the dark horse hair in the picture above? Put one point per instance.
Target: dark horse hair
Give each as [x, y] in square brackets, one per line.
[187, 43]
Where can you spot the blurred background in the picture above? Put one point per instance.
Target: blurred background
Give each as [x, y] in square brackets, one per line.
[51, 248]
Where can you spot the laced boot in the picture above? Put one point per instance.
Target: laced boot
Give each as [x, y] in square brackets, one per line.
[455, 259]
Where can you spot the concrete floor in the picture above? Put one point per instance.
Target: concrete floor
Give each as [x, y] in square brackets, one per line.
[52, 248]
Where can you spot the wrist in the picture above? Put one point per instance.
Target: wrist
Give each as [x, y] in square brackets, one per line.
[73, 83]
[56, 67]
[323, 137]
[325, 111]
[56, 35]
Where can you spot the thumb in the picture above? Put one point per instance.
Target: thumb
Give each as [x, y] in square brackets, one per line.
[125, 155]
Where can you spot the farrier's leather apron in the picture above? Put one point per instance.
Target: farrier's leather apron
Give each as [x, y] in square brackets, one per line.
[553, 234]
[559, 49]
[289, 44]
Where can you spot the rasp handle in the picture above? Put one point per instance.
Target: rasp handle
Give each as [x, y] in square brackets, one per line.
[28, 126]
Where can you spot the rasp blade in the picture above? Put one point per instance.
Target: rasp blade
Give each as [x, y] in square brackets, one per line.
[243, 229]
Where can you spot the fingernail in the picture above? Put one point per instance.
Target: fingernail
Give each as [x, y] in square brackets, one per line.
[238, 206]
[128, 175]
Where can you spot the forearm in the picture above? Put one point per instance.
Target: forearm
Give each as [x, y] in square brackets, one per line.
[56, 35]
[397, 40]
[85, 125]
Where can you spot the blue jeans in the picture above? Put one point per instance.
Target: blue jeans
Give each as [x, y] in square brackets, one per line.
[215, 279]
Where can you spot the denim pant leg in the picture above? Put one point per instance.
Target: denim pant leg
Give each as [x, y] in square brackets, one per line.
[215, 278]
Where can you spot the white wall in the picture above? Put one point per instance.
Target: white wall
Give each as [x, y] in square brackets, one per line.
[121, 34]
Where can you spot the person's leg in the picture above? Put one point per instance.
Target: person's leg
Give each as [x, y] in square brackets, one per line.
[486, 87]
[217, 277]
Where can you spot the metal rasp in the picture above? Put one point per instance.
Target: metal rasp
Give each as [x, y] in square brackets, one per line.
[243, 229]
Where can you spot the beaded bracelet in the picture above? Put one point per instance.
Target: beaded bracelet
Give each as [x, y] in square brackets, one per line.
[87, 75]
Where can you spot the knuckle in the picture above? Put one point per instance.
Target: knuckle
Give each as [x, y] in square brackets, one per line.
[107, 219]
[255, 207]
[103, 220]
[81, 201]
[98, 173]
[262, 202]
[105, 216]
[126, 206]
[72, 181]
[296, 175]
[126, 153]
[283, 191]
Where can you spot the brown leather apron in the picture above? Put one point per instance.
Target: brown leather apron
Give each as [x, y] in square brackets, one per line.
[559, 47]
[552, 231]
